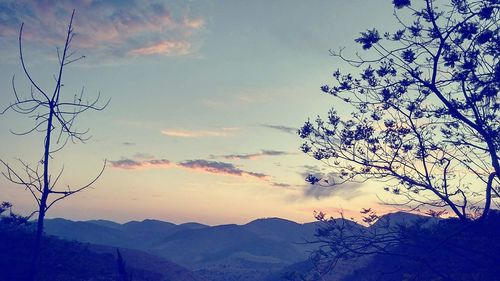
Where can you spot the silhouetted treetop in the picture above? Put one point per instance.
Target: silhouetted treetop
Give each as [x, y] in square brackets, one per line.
[425, 108]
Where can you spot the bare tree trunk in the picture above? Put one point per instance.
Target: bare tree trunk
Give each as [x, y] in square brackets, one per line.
[489, 187]
[37, 247]
[45, 194]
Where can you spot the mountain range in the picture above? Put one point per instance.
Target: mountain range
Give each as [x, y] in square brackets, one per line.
[269, 249]
[259, 250]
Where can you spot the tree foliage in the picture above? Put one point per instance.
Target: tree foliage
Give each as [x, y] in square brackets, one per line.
[425, 109]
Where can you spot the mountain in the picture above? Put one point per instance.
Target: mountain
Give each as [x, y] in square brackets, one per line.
[134, 234]
[402, 218]
[142, 234]
[193, 225]
[228, 245]
[106, 223]
[90, 232]
[279, 229]
[148, 226]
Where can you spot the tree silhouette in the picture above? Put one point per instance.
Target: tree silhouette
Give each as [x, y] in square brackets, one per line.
[418, 248]
[424, 109]
[54, 115]
[8, 218]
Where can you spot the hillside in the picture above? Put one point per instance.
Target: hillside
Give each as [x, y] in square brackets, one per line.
[449, 250]
[63, 260]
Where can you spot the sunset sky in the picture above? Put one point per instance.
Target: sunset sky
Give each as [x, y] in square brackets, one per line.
[206, 98]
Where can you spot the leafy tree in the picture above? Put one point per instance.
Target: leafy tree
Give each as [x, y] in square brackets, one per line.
[54, 115]
[425, 109]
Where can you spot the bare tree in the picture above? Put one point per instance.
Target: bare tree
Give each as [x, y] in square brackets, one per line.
[425, 109]
[54, 116]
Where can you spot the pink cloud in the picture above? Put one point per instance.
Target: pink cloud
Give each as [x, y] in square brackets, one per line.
[142, 161]
[224, 132]
[164, 48]
[105, 28]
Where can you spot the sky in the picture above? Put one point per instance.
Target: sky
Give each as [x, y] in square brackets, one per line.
[205, 101]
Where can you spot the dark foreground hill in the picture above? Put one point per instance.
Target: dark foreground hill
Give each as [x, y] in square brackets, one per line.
[449, 250]
[63, 260]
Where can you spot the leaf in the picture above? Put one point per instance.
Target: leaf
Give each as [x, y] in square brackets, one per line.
[408, 55]
[368, 38]
[399, 4]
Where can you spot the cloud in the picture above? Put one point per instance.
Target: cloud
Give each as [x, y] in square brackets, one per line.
[346, 190]
[237, 100]
[222, 168]
[163, 48]
[331, 185]
[145, 161]
[193, 23]
[286, 129]
[283, 185]
[224, 132]
[143, 156]
[105, 28]
[252, 156]
[131, 164]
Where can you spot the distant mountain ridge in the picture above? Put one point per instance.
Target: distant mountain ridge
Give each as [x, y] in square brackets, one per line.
[252, 251]
[193, 244]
